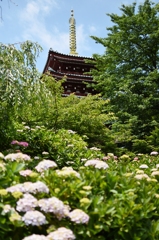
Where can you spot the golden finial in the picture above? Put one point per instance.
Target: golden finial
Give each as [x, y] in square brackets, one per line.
[72, 23]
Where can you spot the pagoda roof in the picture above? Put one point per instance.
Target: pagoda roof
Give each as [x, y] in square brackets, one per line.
[73, 59]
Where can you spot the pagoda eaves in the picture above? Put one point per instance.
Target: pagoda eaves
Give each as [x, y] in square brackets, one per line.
[74, 68]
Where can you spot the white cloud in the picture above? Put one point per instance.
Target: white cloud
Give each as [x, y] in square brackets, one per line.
[92, 29]
[82, 39]
[35, 28]
[33, 20]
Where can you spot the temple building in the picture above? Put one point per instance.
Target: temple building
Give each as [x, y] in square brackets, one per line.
[72, 66]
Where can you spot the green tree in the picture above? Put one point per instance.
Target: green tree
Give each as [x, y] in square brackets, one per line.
[18, 74]
[127, 73]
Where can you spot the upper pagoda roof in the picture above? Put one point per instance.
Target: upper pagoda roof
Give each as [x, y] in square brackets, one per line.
[67, 58]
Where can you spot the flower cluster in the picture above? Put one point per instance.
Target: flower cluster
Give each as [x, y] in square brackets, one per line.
[23, 144]
[67, 171]
[141, 176]
[143, 166]
[2, 166]
[26, 172]
[95, 149]
[97, 164]
[78, 216]
[61, 233]
[17, 156]
[29, 187]
[154, 153]
[35, 237]
[1, 156]
[27, 203]
[54, 205]
[7, 209]
[45, 164]
[71, 131]
[34, 218]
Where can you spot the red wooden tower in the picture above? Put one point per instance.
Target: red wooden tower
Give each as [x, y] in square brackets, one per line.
[72, 66]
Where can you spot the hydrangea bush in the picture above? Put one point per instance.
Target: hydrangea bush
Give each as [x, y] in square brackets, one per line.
[103, 199]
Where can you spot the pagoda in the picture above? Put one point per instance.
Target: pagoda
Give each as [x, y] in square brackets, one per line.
[71, 66]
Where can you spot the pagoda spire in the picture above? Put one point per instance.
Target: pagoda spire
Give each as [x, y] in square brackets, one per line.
[72, 23]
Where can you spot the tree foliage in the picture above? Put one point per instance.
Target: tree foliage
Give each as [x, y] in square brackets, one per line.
[127, 73]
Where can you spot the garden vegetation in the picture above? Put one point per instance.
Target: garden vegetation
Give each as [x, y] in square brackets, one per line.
[83, 168]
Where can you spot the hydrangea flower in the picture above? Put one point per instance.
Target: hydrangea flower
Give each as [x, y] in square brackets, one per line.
[141, 176]
[55, 206]
[27, 203]
[97, 164]
[45, 164]
[2, 166]
[61, 233]
[95, 149]
[35, 237]
[15, 188]
[17, 156]
[154, 153]
[23, 144]
[67, 171]
[45, 153]
[7, 209]
[34, 218]
[1, 156]
[35, 187]
[78, 216]
[26, 172]
[71, 131]
[143, 166]
[155, 173]
[29, 187]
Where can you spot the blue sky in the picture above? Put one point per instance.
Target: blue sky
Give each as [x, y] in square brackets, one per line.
[47, 22]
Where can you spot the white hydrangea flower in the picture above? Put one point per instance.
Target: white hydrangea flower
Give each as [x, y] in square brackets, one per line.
[35, 237]
[27, 127]
[15, 188]
[102, 165]
[96, 163]
[1, 156]
[29, 187]
[26, 172]
[61, 233]
[7, 209]
[40, 187]
[34, 218]
[27, 203]
[2, 166]
[95, 149]
[139, 171]
[157, 166]
[154, 153]
[17, 156]
[38, 127]
[45, 153]
[67, 171]
[78, 216]
[143, 166]
[141, 176]
[155, 173]
[71, 131]
[45, 164]
[84, 159]
[55, 206]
